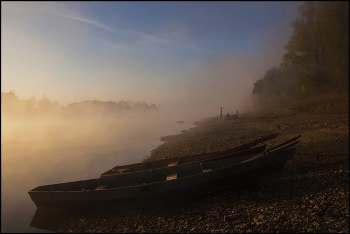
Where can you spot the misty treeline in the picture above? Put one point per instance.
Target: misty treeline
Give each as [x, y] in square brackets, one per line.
[316, 58]
[12, 108]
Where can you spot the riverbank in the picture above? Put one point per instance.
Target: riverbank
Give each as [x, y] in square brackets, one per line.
[311, 193]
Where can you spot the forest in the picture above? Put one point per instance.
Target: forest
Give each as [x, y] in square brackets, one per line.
[12, 108]
[315, 65]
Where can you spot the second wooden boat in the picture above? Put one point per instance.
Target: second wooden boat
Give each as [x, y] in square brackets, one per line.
[237, 151]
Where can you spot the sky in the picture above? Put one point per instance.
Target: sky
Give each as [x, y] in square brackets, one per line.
[197, 55]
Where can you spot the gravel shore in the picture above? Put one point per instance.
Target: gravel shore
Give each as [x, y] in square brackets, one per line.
[310, 194]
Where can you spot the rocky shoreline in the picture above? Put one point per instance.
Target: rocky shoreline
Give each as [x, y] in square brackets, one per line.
[310, 194]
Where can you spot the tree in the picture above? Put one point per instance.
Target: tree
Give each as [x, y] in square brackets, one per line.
[44, 106]
[320, 44]
[30, 107]
[276, 86]
[10, 105]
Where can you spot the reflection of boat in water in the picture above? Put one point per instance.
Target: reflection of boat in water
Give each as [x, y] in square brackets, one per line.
[48, 220]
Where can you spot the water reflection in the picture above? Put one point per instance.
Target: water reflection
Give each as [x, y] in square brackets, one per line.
[47, 220]
[55, 221]
[87, 221]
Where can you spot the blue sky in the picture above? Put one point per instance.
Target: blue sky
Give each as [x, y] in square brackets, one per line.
[174, 53]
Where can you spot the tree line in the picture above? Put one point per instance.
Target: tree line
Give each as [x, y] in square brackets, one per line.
[15, 109]
[316, 58]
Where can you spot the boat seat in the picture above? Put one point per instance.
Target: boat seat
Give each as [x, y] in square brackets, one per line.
[173, 163]
[114, 171]
[171, 177]
[101, 187]
[204, 170]
[119, 171]
[144, 187]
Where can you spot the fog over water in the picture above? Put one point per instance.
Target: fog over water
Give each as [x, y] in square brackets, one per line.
[187, 58]
[58, 149]
[49, 151]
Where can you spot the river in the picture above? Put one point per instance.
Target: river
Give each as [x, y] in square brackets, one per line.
[35, 153]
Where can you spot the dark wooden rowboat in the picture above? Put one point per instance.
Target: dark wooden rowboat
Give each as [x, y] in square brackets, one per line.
[171, 166]
[237, 151]
[113, 179]
[171, 162]
[161, 185]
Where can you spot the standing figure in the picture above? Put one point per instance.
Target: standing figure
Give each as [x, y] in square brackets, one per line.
[220, 113]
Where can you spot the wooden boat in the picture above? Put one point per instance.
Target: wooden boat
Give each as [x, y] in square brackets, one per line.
[171, 162]
[237, 151]
[174, 162]
[107, 180]
[161, 185]
[172, 166]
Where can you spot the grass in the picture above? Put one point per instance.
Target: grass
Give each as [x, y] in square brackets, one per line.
[330, 103]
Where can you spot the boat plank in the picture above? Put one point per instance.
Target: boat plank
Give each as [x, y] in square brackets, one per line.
[101, 187]
[207, 170]
[171, 177]
[173, 163]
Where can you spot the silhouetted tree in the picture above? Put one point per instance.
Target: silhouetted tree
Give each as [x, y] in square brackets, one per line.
[320, 45]
[276, 86]
[13, 108]
[44, 106]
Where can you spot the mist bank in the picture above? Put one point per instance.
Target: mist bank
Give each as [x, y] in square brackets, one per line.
[89, 123]
[184, 108]
[12, 108]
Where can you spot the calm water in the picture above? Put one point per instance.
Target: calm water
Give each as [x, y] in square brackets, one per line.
[47, 152]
